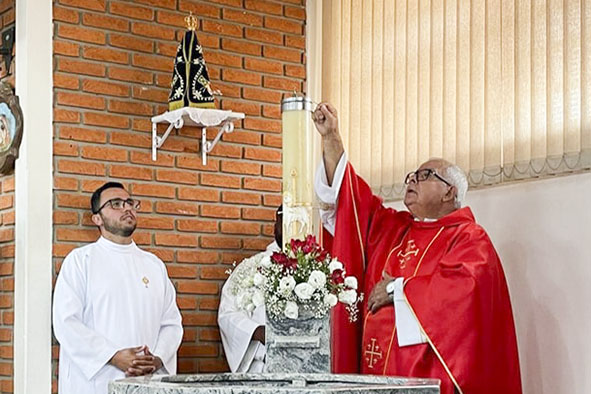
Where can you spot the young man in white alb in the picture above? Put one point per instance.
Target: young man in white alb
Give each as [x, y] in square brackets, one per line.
[114, 307]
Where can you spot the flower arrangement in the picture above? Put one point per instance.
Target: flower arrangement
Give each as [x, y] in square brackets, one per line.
[301, 279]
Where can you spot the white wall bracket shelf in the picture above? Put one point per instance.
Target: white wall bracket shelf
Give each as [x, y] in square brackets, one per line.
[200, 117]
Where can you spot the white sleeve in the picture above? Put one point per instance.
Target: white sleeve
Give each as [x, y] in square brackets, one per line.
[171, 329]
[328, 195]
[236, 329]
[89, 350]
[408, 329]
[247, 363]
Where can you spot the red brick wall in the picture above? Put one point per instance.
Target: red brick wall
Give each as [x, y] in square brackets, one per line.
[7, 21]
[113, 62]
[6, 235]
[6, 280]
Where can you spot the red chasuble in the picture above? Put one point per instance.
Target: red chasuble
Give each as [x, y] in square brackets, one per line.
[454, 284]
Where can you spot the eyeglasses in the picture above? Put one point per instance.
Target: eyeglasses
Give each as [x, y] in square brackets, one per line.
[423, 175]
[119, 204]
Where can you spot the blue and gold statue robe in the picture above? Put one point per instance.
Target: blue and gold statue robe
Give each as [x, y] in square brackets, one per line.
[190, 86]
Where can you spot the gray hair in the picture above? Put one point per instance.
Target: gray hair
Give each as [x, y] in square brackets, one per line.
[455, 176]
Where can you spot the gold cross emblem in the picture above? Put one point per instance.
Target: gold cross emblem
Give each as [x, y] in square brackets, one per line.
[410, 250]
[373, 353]
[146, 281]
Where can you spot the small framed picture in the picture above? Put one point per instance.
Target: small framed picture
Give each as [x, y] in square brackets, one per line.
[11, 128]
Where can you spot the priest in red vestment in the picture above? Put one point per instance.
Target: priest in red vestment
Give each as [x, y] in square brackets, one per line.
[437, 303]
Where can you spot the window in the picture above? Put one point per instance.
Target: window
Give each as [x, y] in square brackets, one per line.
[501, 88]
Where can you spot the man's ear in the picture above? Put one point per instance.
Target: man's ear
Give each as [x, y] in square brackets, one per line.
[97, 219]
[451, 194]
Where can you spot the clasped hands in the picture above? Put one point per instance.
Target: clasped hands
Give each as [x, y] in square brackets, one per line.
[136, 361]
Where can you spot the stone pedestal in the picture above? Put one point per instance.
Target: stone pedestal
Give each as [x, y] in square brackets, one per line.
[273, 384]
[298, 346]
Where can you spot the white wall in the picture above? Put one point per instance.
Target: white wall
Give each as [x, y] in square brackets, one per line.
[34, 199]
[542, 231]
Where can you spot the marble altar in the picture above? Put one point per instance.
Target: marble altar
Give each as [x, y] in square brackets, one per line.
[298, 346]
[279, 383]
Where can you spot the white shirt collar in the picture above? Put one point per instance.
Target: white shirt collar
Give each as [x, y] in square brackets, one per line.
[115, 247]
[425, 220]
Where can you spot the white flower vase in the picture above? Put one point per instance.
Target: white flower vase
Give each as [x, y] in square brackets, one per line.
[299, 345]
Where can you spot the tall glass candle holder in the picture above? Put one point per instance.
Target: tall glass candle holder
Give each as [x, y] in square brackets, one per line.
[298, 171]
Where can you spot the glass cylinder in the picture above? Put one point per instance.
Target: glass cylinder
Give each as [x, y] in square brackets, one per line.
[298, 170]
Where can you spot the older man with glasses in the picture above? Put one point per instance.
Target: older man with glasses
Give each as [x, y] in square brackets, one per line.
[114, 307]
[437, 303]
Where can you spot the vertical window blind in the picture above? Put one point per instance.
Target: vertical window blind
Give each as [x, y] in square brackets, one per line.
[501, 88]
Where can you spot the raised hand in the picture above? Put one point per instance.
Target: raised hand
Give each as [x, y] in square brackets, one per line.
[325, 118]
[327, 123]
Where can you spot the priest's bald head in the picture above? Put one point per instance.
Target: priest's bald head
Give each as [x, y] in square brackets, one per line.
[435, 189]
[114, 212]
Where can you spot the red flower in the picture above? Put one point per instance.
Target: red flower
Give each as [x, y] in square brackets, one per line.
[307, 246]
[291, 264]
[311, 245]
[322, 256]
[296, 244]
[279, 258]
[307, 249]
[337, 277]
[283, 260]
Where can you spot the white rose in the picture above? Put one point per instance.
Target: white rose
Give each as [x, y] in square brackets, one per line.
[258, 298]
[265, 261]
[304, 291]
[335, 265]
[330, 300]
[258, 280]
[317, 279]
[348, 296]
[286, 284]
[291, 310]
[350, 282]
